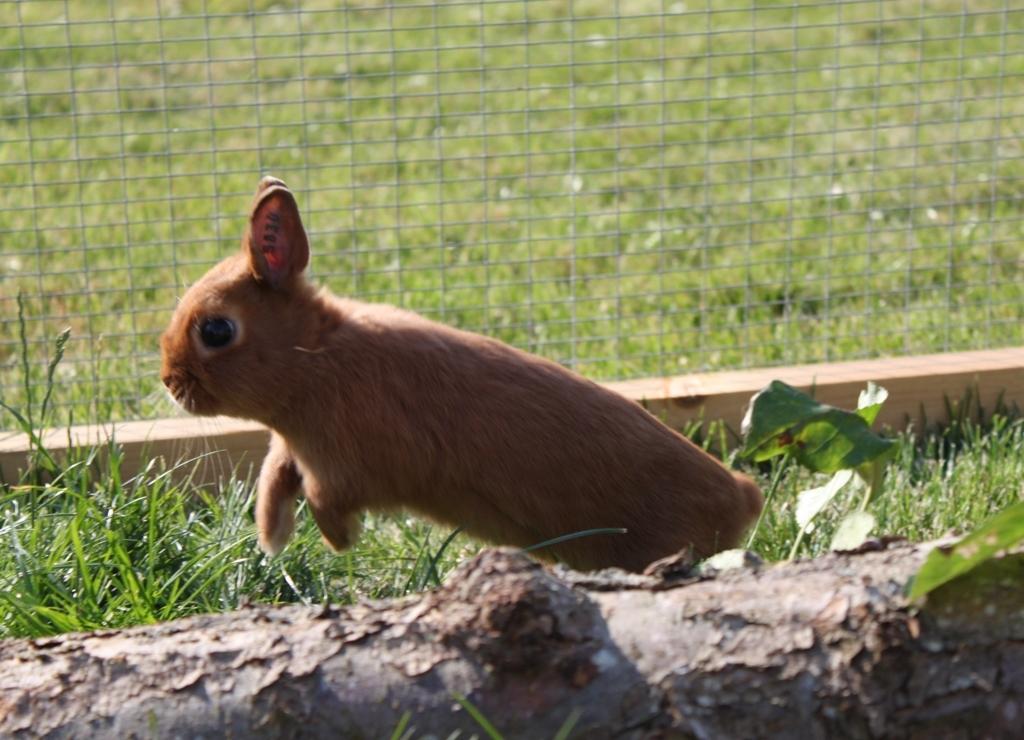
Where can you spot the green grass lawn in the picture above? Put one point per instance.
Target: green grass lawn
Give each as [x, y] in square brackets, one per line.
[632, 188]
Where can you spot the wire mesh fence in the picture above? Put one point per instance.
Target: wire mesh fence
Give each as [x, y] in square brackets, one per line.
[630, 187]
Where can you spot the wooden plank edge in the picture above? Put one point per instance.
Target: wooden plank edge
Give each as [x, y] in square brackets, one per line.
[919, 387]
[205, 449]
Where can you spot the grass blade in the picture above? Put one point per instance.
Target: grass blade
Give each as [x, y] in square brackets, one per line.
[399, 732]
[568, 725]
[478, 716]
[574, 536]
[440, 551]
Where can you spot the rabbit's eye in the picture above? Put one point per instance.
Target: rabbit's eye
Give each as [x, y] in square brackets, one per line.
[216, 332]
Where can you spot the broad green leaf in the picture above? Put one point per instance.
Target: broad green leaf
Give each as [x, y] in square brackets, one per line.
[853, 530]
[823, 438]
[772, 412]
[870, 401]
[1003, 530]
[810, 502]
[838, 439]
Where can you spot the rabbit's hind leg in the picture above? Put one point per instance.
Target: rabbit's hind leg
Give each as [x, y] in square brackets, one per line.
[339, 524]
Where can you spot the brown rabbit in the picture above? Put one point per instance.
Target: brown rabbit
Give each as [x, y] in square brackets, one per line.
[373, 407]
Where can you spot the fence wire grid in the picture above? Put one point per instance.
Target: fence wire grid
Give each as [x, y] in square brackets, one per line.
[641, 187]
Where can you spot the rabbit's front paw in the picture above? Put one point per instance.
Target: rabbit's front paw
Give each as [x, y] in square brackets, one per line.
[279, 487]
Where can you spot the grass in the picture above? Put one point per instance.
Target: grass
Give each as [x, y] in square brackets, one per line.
[652, 189]
[91, 551]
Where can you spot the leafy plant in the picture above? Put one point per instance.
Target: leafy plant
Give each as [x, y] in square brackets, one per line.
[944, 564]
[784, 422]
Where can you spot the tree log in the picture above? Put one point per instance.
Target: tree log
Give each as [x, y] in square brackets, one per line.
[812, 649]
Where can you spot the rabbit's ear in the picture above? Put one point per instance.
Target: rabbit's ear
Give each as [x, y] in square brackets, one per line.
[277, 244]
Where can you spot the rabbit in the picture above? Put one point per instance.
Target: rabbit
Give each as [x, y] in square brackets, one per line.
[372, 407]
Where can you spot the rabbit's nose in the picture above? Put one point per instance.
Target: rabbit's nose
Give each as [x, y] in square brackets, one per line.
[166, 378]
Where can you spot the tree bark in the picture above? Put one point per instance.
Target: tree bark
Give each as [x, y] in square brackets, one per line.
[814, 649]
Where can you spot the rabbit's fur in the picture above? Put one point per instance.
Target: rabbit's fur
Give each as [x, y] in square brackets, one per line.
[373, 407]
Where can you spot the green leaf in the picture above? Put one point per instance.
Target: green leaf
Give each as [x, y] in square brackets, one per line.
[870, 401]
[809, 503]
[1003, 530]
[772, 412]
[823, 438]
[853, 530]
[838, 439]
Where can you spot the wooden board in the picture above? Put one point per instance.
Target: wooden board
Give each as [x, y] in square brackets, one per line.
[918, 386]
[208, 449]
